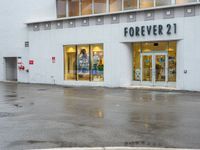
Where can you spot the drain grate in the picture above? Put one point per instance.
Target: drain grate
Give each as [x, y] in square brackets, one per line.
[142, 143]
[11, 96]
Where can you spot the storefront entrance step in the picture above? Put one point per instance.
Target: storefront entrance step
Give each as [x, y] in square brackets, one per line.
[152, 88]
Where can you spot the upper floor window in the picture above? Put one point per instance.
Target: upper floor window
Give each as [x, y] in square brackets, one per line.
[146, 3]
[99, 6]
[61, 8]
[163, 2]
[71, 8]
[115, 5]
[130, 4]
[86, 7]
[185, 1]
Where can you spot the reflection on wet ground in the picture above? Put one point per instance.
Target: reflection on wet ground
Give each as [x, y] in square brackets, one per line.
[43, 116]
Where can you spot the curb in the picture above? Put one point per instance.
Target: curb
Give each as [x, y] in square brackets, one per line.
[117, 148]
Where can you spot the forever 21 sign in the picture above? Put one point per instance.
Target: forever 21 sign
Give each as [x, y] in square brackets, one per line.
[148, 30]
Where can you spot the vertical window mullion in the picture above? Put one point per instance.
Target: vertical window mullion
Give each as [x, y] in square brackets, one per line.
[107, 6]
[67, 9]
[122, 5]
[92, 6]
[154, 3]
[138, 4]
[76, 62]
[80, 7]
[90, 63]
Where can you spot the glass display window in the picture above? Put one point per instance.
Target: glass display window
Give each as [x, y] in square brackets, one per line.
[86, 7]
[154, 46]
[70, 62]
[172, 61]
[97, 60]
[73, 7]
[99, 6]
[115, 5]
[83, 62]
[130, 4]
[136, 62]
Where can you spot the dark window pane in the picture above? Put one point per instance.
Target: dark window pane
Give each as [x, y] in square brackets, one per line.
[61, 8]
[130, 4]
[73, 7]
[99, 6]
[86, 7]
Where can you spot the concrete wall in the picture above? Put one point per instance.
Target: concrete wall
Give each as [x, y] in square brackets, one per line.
[13, 30]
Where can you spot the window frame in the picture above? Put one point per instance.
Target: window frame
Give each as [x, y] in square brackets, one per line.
[90, 61]
[108, 6]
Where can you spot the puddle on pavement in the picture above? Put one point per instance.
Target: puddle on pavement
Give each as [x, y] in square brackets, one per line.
[5, 114]
[36, 142]
[42, 89]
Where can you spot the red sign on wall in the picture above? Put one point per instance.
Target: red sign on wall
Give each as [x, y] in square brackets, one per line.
[53, 59]
[31, 62]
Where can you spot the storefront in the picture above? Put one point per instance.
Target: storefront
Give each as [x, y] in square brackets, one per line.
[154, 63]
[118, 52]
[110, 43]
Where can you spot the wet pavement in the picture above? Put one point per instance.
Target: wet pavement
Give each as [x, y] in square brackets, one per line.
[44, 116]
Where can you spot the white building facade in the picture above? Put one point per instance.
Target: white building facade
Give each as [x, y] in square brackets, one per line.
[111, 43]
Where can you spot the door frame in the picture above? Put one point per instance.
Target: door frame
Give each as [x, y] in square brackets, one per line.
[6, 68]
[154, 54]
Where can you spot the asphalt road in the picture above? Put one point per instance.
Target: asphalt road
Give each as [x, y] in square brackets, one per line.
[44, 116]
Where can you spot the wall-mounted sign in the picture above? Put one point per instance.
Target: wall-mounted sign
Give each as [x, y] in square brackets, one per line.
[19, 60]
[31, 62]
[26, 44]
[148, 30]
[53, 59]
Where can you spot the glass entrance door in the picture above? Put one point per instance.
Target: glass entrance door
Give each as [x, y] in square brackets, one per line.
[154, 68]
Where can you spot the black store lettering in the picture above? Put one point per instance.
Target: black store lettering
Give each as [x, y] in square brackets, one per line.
[160, 29]
[131, 31]
[169, 29]
[125, 31]
[155, 30]
[137, 32]
[143, 30]
[175, 28]
[149, 30]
